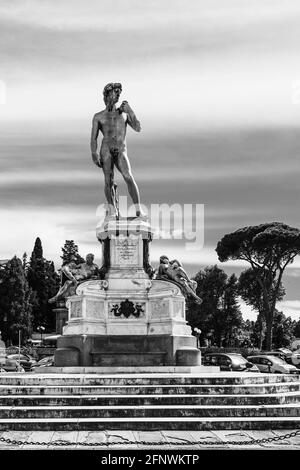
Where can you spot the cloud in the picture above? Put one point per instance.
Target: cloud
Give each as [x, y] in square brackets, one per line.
[53, 227]
[290, 308]
[158, 13]
[292, 272]
[211, 84]
[222, 62]
[247, 312]
[234, 174]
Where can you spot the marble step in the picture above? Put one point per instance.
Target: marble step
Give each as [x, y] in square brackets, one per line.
[159, 423]
[149, 400]
[132, 370]
[144, 379]
[147, 411]
[149, 389]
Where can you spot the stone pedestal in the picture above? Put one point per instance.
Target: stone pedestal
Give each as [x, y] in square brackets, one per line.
[126, 319]
[61, 315]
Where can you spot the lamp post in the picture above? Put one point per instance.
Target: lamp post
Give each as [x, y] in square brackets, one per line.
[198, 333]
[19, 347]
[41, 329]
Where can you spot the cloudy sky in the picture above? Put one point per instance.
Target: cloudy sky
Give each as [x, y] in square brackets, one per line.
[215, 85]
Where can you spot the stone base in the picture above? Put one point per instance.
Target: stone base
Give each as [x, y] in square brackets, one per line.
[154, 371]
[126, 351]
[61, 314]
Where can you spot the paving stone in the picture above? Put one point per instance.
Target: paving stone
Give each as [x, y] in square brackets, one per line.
[207, 436]
[70, 436]
[293, 441]
[218, 437]
[117, 436]
[182, 437]
[238, 436]
[17, 436]
[266, 435]
[39, 436]
[151, 436]
[90, 437]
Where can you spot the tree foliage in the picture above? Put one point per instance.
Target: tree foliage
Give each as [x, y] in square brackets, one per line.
[219, 316]
[16, 302]
[70, 251]
[269, 248]
[296, 330]
[251, 292]
[210, 288]
[231, 312]
[44, 281]
[283, 330]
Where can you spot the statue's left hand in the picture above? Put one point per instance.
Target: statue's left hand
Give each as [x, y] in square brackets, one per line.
[125, 108]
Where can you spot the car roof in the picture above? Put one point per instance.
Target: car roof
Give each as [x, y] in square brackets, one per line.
[265, 356]
[271, 353]
[17, 355]
[224, 354]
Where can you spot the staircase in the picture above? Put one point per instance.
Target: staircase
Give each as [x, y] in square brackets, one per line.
[149, 401]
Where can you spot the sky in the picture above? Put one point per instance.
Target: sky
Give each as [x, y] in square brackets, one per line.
[215, 85]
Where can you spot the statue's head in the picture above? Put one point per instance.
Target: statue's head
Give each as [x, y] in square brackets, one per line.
[111, 93]
[90, 258]
[164, 259]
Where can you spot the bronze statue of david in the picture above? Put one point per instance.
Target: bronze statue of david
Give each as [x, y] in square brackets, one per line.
[112, 122]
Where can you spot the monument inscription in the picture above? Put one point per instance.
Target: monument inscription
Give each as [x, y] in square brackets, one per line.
[126, 252]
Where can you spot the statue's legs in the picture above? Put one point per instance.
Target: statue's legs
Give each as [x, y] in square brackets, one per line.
[108, 170]
[192, 293]
[123, 165]
[62, 293]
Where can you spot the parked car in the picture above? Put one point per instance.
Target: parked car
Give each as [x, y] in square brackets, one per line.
[277, 353]
[272, 364]
[234, 362]
[2, 370]
[287, 352]
[11, 365]
[26, 361]
[295, 358]
[34, 342]
[50, 341]
[47, 361]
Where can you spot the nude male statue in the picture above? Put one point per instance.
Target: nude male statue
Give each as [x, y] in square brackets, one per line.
[113, 151]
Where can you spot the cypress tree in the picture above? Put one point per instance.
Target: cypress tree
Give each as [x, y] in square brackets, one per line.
[16, 302]
[43, 280]
[70, 250]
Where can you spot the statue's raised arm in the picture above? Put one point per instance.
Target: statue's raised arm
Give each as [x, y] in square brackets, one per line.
[131, 117]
